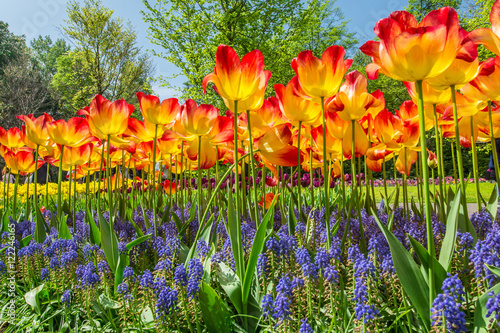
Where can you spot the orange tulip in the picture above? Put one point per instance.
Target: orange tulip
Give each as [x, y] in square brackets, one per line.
[157, 113]
[333, 145]
[198, 120]
[73, 133]
[107, 118]
[431, 95]
[490, 38]
[462, 70]
[432, 159]
[386, 126]
[294, 106]
[36, 128]
[12, 138]
[143, 130]
[408, 112]
[237, 80]
[486, 86]
[267, 200]
[321, 78]
[335, 125]
[409, 51]
[21, 162]
[73, 156]
[276, 146]
[170, 187]
[353, 100]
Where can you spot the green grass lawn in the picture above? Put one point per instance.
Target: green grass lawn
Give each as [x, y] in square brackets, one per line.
[484, 188]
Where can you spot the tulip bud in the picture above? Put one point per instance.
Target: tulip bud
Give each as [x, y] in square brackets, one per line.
[431, 160]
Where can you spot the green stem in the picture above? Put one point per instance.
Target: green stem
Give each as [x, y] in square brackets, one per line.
[299, 185]
[425, 175]
[15, 197]
[493, 145]
[36, 183]
[239, 268]
[440, 165]
[59, 181]
[311, 174]
[475, 164]
[252, 169]
[154, 179]
[200, 187]
[326, 178]
[459, 156]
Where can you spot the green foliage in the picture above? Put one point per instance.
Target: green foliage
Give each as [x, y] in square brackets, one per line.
[11, 46]
[45, 54]
[420, 8]
[106, 60]
[190, 31]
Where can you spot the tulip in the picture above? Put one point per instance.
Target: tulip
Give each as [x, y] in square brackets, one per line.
[36, 130]
[294, 106]
[170, 187]
[490, 38]
[275, 146]
[12, 138]
[157, 113]
[267, 201]
[21, 162]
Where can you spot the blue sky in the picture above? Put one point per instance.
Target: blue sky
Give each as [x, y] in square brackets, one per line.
[44, 17]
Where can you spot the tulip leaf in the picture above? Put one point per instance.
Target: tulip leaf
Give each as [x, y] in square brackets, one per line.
[31, 298]
[292, 221]
[425, 260]
[448, 245]
[26, 240]
[481, 322]
[5, 221]
[63, 228]
[233, 226]
[231, 285]
[409, 274]
[136, 227]
[215, 313]
[137, 241]
[40, 232]
[492, 206]
[147, 223]
[257, 247]
[109, 242]
[494, 270]
[95, 234]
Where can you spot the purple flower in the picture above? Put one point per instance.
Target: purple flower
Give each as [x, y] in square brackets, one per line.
[283, 300]
[195, 268]
[123, 290]
[166, 302]
[493, 307]
[305, 327]
[66, 297]
[44, 273]
[180, 275]
[146, 280]
[86, 275]
[446, 306]
[304, 260]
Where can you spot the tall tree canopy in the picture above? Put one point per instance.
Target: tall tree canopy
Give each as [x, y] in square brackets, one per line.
[11, 46]
[190, 30]
[106, 58]
[45, 54]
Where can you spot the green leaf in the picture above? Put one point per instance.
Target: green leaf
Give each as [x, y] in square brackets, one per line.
[480, 321]
[409, 274]
[31, 298]
[425, 259]
[26, 240]
[292, 221]
[492, 206]
[5, 220]
[40, 227]
[109, 242]
[215, 314]
[95, 234]
[107, 302]
[494, 270]
[233, 226]
[231, 284]
[63, 228]
[147, 223]
[448, 247]
[137, 241]
[257, 247]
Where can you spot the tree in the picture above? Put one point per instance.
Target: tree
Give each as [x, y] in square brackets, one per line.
[476, 14]
[45, 54]
[23, 90]
[420, 8]
[107, 58]
[11, 46]
[190, 30]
